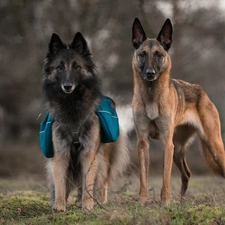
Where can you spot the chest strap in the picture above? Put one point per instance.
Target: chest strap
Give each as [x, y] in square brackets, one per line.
[75, 136]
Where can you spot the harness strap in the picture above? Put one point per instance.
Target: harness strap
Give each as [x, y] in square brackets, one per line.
[75, 136]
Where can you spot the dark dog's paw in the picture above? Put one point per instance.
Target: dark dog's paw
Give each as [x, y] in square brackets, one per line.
[87, 204]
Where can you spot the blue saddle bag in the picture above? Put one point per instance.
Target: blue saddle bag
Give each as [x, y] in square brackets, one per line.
[109, 125]
[46, 136]
[109, 122]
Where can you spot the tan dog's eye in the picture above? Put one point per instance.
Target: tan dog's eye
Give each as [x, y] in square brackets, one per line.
[158, 54]
[142, 55]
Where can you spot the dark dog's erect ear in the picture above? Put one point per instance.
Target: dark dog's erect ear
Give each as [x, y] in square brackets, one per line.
[79, 44]
[165, 35]
[55, 44]
[138, 34]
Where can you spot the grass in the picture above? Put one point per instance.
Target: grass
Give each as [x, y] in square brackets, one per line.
[25, 201]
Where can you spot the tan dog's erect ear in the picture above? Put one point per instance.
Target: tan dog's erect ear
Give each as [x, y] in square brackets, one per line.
[165, 35]
[138, 34]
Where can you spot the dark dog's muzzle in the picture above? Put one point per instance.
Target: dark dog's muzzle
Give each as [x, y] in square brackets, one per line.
[68, 87]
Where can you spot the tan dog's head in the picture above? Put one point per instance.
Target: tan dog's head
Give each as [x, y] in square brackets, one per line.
[151, 56]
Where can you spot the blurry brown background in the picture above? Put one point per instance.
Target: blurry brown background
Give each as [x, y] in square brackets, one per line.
[198, 55]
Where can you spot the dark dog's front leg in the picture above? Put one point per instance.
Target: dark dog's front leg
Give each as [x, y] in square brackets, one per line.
[60, 163]
[89, 163]
[59, 172]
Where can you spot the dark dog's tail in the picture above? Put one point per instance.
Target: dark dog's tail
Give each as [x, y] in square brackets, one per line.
[215, 158]
[125, 115]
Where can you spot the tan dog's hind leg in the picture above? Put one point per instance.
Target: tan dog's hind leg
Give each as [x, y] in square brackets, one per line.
[182, 138]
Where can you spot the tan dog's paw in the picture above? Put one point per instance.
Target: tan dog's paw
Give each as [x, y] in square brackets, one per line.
[142, 200]
[165, 199]
[59, 207]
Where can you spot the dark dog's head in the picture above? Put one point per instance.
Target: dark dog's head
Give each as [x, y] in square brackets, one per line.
[66, 66]
[151, 55]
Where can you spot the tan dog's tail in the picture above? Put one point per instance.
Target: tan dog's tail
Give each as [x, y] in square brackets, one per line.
[215, 159]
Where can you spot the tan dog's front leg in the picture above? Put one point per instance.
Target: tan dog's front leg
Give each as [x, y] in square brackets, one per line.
[167, 168]
[143, 156]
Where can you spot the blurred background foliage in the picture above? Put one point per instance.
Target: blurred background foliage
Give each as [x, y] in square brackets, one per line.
[26, 27]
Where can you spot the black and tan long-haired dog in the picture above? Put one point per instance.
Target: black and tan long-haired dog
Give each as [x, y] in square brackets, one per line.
[170, 110]
[72, 92]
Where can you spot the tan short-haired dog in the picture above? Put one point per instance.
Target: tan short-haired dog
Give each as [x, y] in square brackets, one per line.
[171, 110]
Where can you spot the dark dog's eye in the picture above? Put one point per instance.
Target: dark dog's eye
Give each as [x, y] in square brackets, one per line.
[60, 67]
[76, 67]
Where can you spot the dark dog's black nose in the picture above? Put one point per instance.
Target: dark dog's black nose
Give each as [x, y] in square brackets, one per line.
[67, 87]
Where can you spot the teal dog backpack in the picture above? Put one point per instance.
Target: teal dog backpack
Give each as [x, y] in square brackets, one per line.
[109, 122]
[109, 125]
[46, 136]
